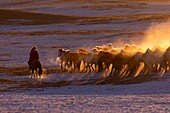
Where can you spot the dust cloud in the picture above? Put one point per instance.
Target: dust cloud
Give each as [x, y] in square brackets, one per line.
[158, 34]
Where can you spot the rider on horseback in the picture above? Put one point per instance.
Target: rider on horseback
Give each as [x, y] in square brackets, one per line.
[34, 56]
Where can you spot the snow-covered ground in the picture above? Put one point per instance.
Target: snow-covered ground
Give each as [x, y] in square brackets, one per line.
[118, 22]
[149, 97]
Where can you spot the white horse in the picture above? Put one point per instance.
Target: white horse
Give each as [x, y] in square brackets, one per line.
[69, 59]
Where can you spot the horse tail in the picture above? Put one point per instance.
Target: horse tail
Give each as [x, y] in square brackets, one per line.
[40, 68]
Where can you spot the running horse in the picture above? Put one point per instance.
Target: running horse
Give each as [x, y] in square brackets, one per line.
[36, 69]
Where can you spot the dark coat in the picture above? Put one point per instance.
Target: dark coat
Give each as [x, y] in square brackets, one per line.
[33, 56]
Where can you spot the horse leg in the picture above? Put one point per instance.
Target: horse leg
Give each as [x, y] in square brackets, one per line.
[39, 67]
[88, 67]
[92, 68]
[100, 63]
[33, 73]
[61, 65]
[96, 67]
[85, 67]
[78, 65]
[112, 72]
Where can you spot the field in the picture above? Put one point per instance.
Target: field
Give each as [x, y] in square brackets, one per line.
[75, 24]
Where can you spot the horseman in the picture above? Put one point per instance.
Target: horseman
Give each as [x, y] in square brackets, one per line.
[34, 56]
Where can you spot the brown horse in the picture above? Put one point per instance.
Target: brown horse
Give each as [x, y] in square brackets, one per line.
[89, 59]
[166, 59]
[105, 59]
[36, 68]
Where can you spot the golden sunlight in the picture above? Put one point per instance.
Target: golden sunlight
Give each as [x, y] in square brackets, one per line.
[157, 34]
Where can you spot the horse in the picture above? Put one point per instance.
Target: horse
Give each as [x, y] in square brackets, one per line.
[89, 59]
[134, 64]
[61, 54]
[36, 68]
[69, 58]
[166, 59]
[105, 59]
[120, 63]
[152, 60]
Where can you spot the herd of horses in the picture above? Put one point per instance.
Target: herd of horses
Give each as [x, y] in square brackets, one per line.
[127, 62]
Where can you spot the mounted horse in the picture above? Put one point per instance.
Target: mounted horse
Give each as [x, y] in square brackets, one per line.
[36, 68]
[34, 63]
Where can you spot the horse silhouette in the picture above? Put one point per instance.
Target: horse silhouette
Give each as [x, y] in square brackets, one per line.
[36, 68]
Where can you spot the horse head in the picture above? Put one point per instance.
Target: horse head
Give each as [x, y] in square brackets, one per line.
[60, 51]
[168, 49]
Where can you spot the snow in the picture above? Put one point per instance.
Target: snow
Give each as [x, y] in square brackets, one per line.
[87, 103]
[146, 97]
[16, 41]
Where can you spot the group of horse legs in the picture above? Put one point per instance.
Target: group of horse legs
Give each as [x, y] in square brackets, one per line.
[122, 64]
